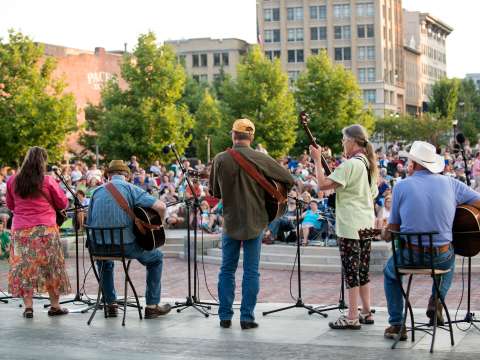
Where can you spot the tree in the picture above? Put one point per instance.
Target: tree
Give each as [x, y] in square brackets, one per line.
[443, 100]
[468, 108]
[141, 119]
[208, 121]
[331, 96]
[34, 109]
[261, 94]
[427, 127]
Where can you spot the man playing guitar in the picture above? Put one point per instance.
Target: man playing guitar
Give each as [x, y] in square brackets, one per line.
[104, 211]
[245, 218]
[424, 202]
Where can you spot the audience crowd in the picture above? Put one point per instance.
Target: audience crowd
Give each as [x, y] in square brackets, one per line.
[168, 183]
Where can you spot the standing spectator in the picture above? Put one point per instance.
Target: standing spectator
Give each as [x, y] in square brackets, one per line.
[156, 168]
[93, 172]
[476, 171]
[76, 174]
[36, 257]
[133, 164]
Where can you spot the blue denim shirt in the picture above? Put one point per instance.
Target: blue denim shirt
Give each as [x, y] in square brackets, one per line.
[104, 210]
[427, 202]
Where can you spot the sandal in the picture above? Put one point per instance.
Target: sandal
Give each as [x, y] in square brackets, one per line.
[28, 313]
[57, 311]
[344, 323]
[366, 319]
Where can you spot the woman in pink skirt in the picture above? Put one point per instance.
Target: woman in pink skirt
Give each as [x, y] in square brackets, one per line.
[36, 257]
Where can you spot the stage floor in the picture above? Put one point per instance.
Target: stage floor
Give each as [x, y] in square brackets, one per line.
[292, 334]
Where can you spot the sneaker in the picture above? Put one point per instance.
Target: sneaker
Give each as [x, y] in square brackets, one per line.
[344, 323]
[159, 310]
[392, 331]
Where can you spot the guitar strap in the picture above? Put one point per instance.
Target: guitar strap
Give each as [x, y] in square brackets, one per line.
[140, 224]
[366, 166]
[256, 175]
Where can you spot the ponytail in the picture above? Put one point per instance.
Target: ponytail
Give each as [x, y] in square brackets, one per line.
[372, 160]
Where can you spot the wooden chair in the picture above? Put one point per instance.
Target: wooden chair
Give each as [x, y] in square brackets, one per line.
[106, 243]
[411, 259]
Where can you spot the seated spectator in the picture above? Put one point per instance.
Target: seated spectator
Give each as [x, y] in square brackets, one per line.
[172, 217]
[311, 220]
[93, 172]
[156, 168]
[280, 225]
[84, 202]
[93, 183]
[383, 213]
[82, 184]
[133, 164]
[5, 213]
[206, 219]
[4, 242]
[197, 188]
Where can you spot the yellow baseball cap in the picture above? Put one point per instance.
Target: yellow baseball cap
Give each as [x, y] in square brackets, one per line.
[244, 126]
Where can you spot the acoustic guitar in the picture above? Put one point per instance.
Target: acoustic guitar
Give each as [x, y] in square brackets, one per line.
[149, 231]
[466, 231]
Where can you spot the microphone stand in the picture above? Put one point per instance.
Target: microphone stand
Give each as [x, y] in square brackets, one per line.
[191, 299]
[469, 317]
[76, 208]
[299, 301]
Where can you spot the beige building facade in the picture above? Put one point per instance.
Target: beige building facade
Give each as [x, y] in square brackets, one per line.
[365, 36]
[204, 58]
[427, 35]
[413, 87]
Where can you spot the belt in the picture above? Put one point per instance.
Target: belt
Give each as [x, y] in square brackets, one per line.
[426, 249]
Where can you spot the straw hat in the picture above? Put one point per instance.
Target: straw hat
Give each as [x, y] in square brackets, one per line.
[118, 165]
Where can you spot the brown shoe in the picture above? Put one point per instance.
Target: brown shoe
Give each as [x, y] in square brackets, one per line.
[152, 313]
[431, 312]
[112, 310]
[392, 331]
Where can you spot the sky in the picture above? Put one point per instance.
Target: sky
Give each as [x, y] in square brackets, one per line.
[88, 24]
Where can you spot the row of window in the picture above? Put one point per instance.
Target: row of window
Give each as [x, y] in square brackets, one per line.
[203, 78]
[433, 72]
[340, 11]
[219, 59]
[363, 53]
[344, 32]
[434, 54]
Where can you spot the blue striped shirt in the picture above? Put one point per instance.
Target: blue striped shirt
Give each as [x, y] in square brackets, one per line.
[105, 212]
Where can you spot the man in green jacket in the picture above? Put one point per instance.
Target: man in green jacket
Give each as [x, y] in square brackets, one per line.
[245, 218]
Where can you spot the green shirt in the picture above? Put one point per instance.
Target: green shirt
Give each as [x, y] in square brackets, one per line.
[243, 198]
[355, 198]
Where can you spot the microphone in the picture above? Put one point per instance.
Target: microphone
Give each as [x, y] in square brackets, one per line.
[167, 148]
[51, 168]
[460, 138]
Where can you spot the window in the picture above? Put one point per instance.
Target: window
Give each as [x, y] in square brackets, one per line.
[271, 14]
[318, 12]
[362, 75]
[195, 60]
[342, 32]
[319, 33]
[272, 36]
[294, 13]
[370, 96]
[203, 60]
[341, 11]
[371, 74]
[273, 54]
[365, 31]
[220, 59]
[343, 53]
[365, 9]
[292, 77]
[366, 53]
[295, 56]
[295, 34]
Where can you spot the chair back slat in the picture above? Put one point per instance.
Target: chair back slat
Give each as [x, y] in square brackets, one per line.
[410, 249]
[102, 241]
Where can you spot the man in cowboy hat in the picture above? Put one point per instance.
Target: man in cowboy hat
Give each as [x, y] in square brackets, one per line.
[104, 211]
[245, 218]
[424, 202]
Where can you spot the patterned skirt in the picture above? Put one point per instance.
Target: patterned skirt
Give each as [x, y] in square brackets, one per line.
[37, 264]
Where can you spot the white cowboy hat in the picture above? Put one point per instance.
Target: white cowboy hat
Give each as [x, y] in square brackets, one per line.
[425, 154]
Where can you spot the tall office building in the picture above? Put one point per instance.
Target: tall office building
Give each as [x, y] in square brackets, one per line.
[204, 57]
[365, 36]
[427, 35]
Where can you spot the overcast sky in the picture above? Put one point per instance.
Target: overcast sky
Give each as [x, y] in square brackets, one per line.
[111, 23]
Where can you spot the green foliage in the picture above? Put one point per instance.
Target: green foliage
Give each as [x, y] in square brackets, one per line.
[428, 127]
[261, 94]
[331, 96]
[193, 94]
[34, 109]
[208, 121]
[443, 100]
[468, 109]
[148, 114]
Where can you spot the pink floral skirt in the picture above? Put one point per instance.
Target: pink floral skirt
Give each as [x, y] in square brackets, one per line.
[37, 264]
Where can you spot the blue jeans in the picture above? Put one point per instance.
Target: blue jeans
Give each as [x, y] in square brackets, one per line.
[250, 282]
[393, 292]
[153, 260]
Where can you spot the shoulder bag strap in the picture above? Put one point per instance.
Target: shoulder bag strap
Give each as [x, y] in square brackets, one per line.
[256, 175]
